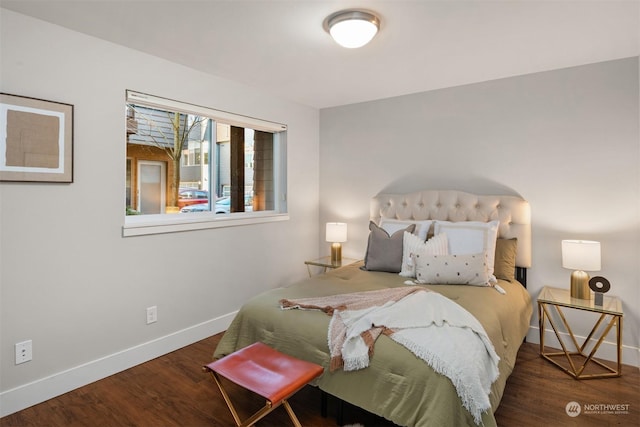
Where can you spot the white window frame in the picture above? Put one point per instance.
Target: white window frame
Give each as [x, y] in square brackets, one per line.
[138, 225]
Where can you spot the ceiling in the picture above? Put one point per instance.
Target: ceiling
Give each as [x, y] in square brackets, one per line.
[280, 46]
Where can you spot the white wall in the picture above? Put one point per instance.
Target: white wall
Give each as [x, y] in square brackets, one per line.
[69, 281]
[567, 141]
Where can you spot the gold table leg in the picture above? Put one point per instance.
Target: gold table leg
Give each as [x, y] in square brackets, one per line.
[573, 370]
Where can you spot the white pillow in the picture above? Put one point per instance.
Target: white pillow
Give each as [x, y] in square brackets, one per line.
[412, 245]
[471, 237]
[470, 269]
[393, 225]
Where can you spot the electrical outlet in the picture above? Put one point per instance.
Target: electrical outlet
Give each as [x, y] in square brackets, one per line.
[24, 351]
[152, 314]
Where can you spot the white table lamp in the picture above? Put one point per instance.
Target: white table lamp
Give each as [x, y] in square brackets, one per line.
[580, 256]
[336, 233]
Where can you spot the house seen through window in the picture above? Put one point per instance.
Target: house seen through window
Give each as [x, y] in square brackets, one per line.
[192, 159]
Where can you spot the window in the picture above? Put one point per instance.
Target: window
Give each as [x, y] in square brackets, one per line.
[188, 164]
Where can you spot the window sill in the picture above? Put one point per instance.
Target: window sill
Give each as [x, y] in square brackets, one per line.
[159, 224]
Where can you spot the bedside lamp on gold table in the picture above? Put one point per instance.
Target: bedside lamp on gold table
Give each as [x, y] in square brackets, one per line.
[581, 256]
[336, 233]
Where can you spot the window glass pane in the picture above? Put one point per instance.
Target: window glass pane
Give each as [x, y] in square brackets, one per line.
[244, 169]
[200, 164]
[174, 139]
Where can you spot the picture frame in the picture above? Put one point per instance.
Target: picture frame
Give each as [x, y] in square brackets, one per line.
[36, 140]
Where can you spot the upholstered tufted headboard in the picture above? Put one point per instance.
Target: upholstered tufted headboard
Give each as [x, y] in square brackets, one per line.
[513, 213]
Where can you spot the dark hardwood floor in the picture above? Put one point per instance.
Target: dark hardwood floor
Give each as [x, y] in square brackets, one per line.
[173, 391]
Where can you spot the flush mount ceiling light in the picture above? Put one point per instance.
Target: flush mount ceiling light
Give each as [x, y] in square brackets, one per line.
[352, 28]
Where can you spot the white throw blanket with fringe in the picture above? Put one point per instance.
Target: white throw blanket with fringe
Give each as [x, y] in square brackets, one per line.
[431, 326]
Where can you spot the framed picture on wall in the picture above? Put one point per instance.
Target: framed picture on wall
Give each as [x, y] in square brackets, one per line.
[36, 140]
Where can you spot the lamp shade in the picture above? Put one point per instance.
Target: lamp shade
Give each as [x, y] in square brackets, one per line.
[581, 255]
[352, 28]
[336, 232]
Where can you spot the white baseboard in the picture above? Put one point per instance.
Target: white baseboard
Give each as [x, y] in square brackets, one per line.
[607, 350]
[30, 394]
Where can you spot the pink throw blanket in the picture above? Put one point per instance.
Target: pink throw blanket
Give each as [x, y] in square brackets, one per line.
[360, 301]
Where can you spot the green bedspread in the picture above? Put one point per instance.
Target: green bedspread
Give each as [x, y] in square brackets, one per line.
[397, 385]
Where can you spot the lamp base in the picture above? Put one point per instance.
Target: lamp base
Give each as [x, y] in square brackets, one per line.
[336, 254]
[580, 285]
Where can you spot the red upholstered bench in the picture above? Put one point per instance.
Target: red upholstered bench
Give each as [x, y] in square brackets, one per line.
[267, 372]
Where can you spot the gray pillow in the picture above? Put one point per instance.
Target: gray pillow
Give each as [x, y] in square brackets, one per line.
[384, 252]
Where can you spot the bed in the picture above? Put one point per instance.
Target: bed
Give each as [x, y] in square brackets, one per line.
[397, 385]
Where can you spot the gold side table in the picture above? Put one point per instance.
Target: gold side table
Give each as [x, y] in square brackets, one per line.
[610, 313]
[325, 263]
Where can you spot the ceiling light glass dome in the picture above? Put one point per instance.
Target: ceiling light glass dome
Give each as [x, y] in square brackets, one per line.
[352, 28]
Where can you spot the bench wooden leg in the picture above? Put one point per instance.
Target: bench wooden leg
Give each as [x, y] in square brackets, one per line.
[266, 409]
[292, 415]
[226, 398]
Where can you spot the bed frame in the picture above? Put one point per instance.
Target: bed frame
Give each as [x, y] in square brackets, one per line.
[514, 214]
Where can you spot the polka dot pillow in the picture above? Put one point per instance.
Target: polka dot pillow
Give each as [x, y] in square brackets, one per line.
[470, 269]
